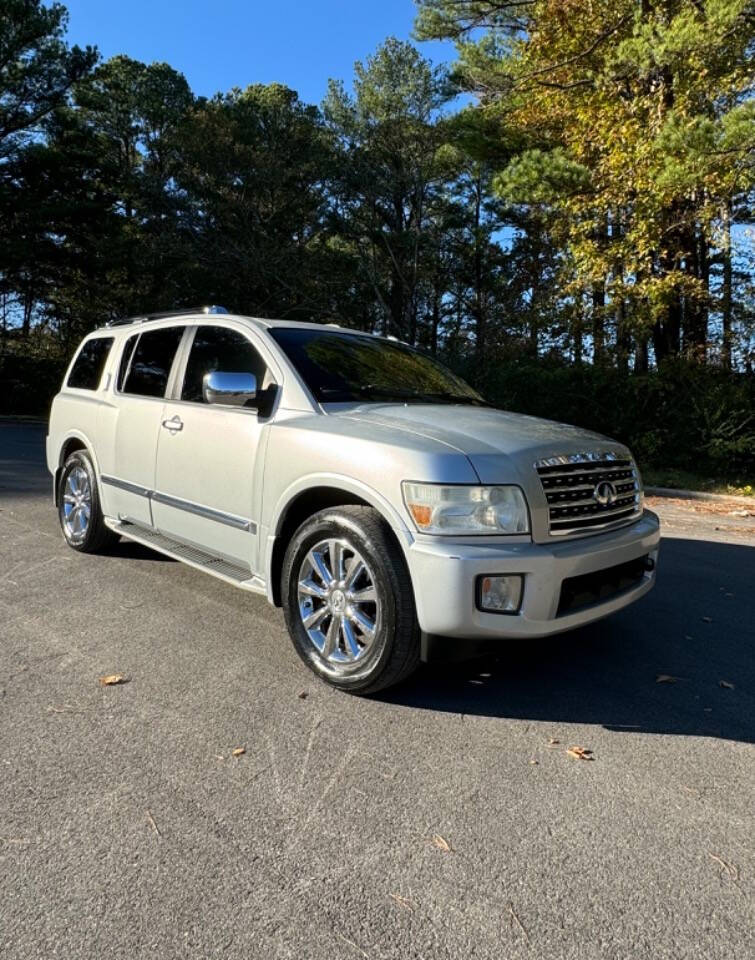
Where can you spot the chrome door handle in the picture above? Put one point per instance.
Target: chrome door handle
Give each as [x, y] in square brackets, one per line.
[174, 424]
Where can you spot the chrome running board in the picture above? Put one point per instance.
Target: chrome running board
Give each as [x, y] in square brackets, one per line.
[234, 573]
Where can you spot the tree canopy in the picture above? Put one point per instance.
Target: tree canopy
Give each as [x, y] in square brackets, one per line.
[572, 198]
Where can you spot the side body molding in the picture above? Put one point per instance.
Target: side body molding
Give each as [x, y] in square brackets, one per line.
[198, 509]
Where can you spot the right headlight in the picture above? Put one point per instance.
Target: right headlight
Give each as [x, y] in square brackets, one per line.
[461, 509]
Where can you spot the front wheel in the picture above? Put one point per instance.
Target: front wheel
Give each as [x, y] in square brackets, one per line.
[348, 600]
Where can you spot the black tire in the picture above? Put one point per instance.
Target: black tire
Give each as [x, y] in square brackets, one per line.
[96, 536]
[394, 651]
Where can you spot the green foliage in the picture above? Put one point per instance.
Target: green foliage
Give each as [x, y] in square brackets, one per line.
[36, 67]
[570, 239]
[685, 415]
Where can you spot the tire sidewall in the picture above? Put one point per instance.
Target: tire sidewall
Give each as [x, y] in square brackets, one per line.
[331, 524]
[79, 459]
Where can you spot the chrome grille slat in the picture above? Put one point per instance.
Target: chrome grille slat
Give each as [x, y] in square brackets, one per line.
[623, 503]
[574, 498]
[569, 482]
[604, 473]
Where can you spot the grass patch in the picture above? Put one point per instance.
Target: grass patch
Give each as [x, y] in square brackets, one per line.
[684, 480]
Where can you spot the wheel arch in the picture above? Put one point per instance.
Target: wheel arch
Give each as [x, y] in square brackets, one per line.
[74, 441]
[306, 498]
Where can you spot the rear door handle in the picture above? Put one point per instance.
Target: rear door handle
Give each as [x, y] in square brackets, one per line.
[174, 424]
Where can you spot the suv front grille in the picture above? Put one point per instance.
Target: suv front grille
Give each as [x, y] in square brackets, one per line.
[587, 492]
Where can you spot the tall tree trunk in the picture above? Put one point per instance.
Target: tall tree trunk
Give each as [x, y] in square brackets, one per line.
[479, 296]
[726, 288]
[598, 322]
[578, 338]
[695, 332]
[623, 338]
[28, 308]
[435, 316]
[641, 362]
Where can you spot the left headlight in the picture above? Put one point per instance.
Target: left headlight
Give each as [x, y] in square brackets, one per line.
[459, 510]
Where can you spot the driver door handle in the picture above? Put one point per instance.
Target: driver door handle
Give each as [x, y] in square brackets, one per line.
[174, 424]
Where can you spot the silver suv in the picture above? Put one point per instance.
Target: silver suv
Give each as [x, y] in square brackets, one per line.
[354, 481]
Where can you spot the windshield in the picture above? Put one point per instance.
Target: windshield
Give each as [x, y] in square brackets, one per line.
[340, 367]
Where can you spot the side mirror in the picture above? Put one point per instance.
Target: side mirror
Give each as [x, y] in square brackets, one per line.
[229, 389]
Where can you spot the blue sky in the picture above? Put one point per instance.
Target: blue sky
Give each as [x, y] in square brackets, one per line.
[237, 42]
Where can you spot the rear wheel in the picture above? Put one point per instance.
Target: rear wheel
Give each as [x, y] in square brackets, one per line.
[348, 600]
[79, 510]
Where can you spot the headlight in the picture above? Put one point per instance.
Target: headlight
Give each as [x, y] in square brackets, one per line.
[461, 510]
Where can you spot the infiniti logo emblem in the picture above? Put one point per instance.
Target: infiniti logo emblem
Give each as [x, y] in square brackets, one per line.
[604, 493]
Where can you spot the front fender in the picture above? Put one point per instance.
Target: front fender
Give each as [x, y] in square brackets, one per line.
[335, 481]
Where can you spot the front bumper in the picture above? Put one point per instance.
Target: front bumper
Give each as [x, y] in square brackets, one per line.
[444, 575]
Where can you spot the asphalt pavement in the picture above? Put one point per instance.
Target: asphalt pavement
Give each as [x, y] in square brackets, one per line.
[444, 819]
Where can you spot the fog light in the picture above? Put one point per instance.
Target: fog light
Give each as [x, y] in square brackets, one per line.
[499, 594]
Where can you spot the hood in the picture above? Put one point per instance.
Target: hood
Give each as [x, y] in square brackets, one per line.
[496, 442]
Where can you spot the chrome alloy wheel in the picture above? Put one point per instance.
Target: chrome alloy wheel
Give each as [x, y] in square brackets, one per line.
[338, 604]
[77, 504]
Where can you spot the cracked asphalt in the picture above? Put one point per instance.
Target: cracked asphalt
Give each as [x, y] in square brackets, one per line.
[438, 821]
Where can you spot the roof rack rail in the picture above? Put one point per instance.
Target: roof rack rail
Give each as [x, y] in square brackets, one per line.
[164, 314]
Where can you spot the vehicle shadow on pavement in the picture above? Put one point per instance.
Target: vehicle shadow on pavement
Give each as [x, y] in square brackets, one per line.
[696, 629]
[131, 550]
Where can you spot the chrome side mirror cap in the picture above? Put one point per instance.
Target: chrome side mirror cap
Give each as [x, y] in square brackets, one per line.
[229, 389]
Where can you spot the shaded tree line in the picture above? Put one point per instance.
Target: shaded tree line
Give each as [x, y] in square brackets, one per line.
[581, 217]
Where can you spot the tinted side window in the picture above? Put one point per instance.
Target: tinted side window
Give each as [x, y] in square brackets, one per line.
[218, 348]
[148, 372]
[87, 370]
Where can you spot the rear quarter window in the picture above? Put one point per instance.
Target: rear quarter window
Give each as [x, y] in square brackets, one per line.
[89, 365]
[147, 360]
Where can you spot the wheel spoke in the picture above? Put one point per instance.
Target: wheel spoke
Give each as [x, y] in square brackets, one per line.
[367, 595]
[73, 483]
[335, 550]
[311, 589]
[356, 569]
[364, 623]
[69, 498]
[350, 637]
[315, 617]
[331, 638]
[318, 564]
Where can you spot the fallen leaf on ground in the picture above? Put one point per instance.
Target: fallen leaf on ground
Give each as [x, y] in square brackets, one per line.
[666, 678]
[729, 868]
[534, 762]
[581, 753]
[303, 695]
[441, 843]
[402, 901]
[112, 679]
[238, 751]
[515, 920]
[552, 741]
[726, 685]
